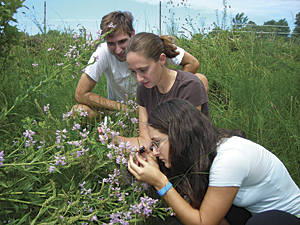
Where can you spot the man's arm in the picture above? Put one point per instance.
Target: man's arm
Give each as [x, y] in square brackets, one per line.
[189, 63]
[84, 96]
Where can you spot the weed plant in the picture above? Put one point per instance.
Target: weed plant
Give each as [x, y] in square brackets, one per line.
[254, 86]
[55, 171]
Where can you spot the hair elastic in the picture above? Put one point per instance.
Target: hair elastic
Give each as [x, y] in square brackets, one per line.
[164, 190]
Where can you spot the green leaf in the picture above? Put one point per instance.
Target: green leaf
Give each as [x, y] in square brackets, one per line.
[3, 184]
[4, 131]
[30, 90]
[45, 94]
[8, 211]
[40, 213]
[24, 218]
[161, 216]
[39, 156]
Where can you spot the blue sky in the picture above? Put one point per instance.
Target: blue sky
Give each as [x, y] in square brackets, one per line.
[88, 13]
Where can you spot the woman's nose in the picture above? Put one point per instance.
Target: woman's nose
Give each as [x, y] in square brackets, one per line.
[155, 152]
[139, 78]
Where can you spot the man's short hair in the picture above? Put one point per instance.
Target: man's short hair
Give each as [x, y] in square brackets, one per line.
[118, 21]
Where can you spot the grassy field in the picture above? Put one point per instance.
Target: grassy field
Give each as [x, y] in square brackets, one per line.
[55, 171]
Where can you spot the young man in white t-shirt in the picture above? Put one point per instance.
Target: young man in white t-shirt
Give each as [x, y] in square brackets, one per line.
[110, 59]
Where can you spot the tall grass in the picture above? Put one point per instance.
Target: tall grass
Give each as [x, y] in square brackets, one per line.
[254, 86]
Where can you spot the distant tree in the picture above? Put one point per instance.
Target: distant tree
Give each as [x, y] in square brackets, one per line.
[285, 27]
[270, 22]
[9, 33]
[296, 30]
[239, 20]
[251, 25]
[280, 28]
[251, 22]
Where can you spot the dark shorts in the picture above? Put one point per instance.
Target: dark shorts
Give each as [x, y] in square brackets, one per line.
[240, 216]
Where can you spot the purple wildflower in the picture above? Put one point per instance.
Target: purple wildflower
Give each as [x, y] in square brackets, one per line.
[76, 126]
[51, 168]
[94, 218]
[1, 158]
[75, 36]
[43, 144]
[111, 25]
[134, 120]
[28, 134]
[60, 160]
[144, 207]
[46, 108]
[124, 161]
[76, 143]
[69, 114]
[118, 159]
[82, 112]
[109, 155]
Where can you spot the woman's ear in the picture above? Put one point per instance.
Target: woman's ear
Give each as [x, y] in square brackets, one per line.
[163, 59]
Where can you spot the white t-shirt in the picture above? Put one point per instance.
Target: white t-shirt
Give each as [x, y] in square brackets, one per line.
[264, 182]
[120, 80]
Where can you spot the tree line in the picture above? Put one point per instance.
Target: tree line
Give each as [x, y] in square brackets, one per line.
[242, 23]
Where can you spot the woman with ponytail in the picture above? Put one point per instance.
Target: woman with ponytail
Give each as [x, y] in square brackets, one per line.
[147, 56]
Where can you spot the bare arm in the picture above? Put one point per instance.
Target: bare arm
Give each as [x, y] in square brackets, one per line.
[189, 63]
[143, 139]
[216, 203]
[84, 96]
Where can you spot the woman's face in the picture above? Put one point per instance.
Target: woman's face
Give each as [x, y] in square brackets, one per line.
[162, 152]
[147, 71]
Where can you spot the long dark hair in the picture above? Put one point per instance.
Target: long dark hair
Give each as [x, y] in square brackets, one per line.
[193, 143]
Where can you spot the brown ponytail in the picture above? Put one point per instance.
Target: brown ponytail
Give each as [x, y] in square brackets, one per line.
[152, 46]
[169, 48]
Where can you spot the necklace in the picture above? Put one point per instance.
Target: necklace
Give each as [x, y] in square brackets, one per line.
[163, 95]
[157, 96]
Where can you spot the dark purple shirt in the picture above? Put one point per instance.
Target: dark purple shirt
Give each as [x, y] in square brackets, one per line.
[187, 86]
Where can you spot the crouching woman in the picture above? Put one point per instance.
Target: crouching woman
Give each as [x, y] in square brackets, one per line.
[201, 171]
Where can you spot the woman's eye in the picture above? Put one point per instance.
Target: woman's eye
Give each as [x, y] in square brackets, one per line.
[154, 145]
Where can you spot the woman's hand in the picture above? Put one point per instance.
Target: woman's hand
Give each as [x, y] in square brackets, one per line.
[147, 155]
[145, 171]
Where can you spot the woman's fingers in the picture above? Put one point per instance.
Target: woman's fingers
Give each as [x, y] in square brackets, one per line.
[144, 171]
[132, 166]
[148, 156]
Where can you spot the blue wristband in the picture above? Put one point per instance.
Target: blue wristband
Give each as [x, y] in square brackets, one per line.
[164, 190]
